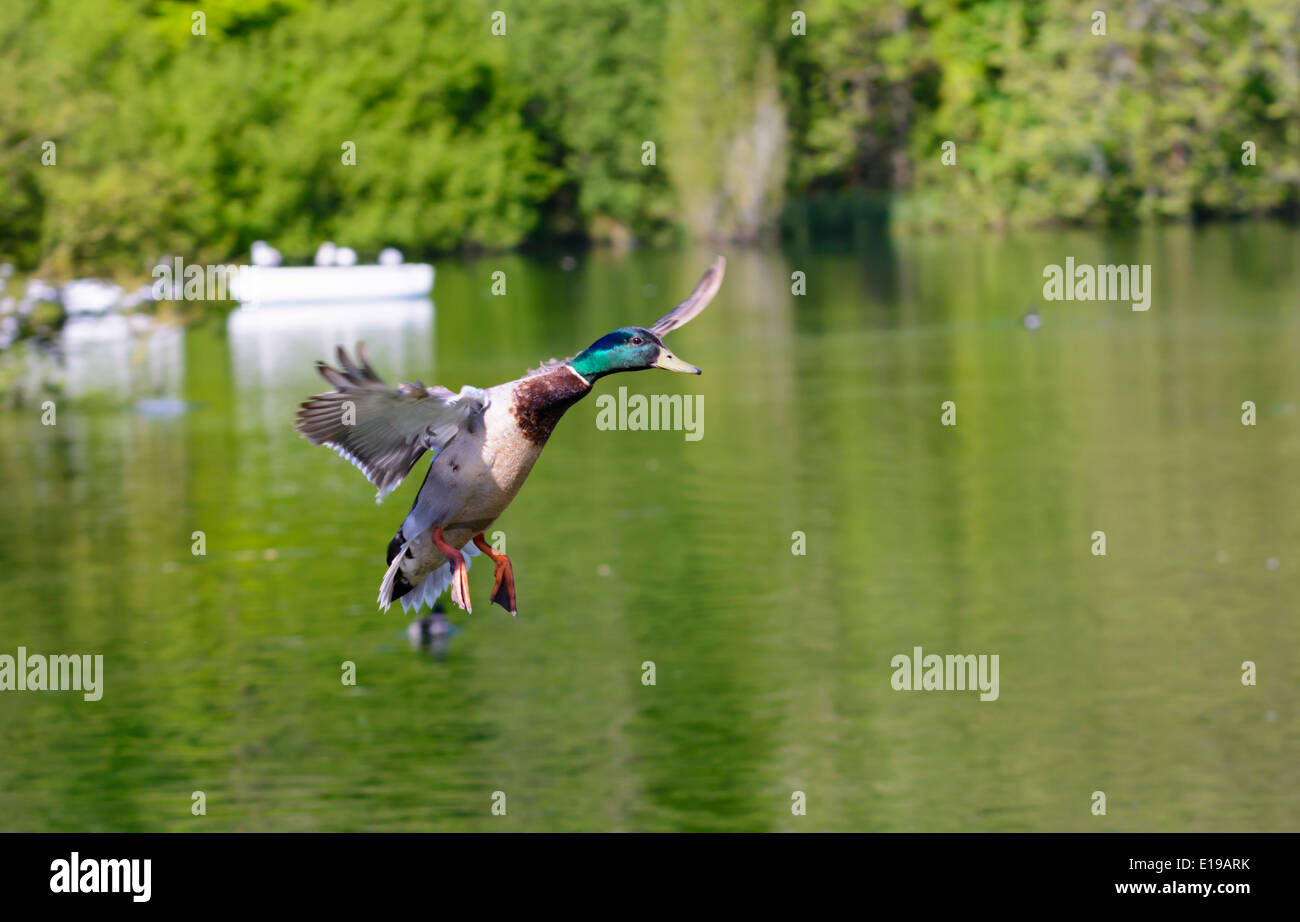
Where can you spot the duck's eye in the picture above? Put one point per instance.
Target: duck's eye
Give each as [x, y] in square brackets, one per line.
[637, 340]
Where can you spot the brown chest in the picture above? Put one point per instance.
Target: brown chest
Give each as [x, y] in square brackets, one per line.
[540, 400]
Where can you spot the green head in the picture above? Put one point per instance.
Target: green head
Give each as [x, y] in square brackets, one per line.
[628, 349]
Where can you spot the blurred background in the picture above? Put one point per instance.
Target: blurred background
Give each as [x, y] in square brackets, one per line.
[808, 146]
[198, 145]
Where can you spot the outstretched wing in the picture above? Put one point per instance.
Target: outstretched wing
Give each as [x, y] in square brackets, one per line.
[708, 286]
[383, 430]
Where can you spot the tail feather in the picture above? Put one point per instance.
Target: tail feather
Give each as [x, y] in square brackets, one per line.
[389, 585]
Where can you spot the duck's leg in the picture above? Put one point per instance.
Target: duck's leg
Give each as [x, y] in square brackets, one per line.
[503, 590]
[459, 572]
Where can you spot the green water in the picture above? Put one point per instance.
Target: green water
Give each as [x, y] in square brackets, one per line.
[1119, 674]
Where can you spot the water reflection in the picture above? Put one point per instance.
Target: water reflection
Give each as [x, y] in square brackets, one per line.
[274, 350]
[432, 632]
[117, 357]
[275, 346]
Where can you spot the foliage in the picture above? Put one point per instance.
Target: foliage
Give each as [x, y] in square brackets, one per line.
[593, 71]
[1052, 123]
[174, 143]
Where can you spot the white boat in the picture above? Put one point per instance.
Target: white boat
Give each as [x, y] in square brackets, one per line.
[262, 285]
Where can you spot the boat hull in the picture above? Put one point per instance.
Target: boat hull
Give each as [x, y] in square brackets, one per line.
[314, 284]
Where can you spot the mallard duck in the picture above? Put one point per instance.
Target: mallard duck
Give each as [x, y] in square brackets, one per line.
[484, 444]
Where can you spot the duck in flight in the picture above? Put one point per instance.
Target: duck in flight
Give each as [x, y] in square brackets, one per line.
[484, 443]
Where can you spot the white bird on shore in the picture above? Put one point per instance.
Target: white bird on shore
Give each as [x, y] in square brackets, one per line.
[325, 255]
[265, 255]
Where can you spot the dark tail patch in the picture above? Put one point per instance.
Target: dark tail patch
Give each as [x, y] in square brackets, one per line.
[394, 546]
[400, 585]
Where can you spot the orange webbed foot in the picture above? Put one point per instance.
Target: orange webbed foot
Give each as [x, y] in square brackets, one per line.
[503, 588]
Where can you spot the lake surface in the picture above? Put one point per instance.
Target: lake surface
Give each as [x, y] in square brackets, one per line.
[822, 415]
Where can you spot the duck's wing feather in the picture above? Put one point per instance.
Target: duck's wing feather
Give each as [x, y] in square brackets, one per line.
[383, 430]
[699, 299]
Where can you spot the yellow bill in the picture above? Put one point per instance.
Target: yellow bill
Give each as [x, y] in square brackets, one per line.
[670, 362]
